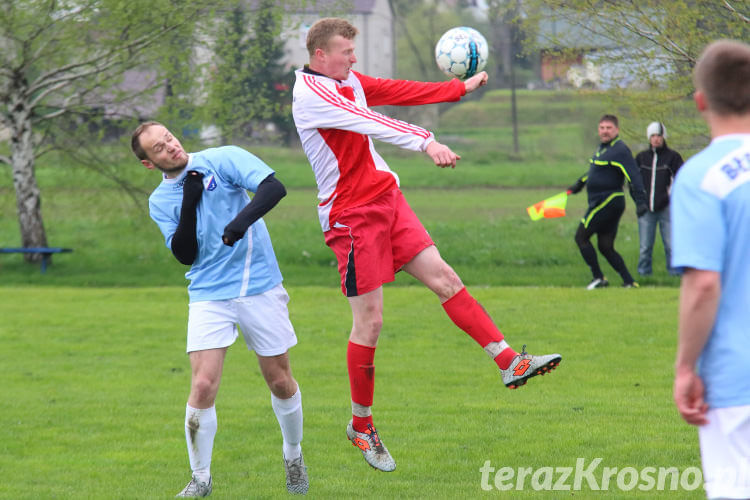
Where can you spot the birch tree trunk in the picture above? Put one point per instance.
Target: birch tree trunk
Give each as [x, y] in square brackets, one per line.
[28, 198]
[60, 59]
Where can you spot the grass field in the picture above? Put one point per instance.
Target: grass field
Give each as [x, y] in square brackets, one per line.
[482, 229]
[96, 377]
[96, 381]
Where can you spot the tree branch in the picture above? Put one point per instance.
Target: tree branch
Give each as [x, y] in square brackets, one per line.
[68, 75]
[618, 18]
[88, 158]
[659, 39]
[110, 58]
[734, 11]
[55, 16]
[409, 39]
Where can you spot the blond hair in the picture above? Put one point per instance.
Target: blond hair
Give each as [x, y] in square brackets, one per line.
[324, 29]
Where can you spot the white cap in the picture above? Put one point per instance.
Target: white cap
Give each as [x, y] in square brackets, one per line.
[656, 128]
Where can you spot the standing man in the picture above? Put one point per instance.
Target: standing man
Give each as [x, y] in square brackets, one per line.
[609, 168]
[711, 236]
[203, 210]
[658, 166]
[366, 220]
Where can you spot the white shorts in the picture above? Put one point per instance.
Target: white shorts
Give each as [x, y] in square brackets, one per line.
[725, 452]
[263, 320]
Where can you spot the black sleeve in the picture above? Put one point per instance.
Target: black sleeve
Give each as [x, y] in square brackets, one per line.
[184, 240]
[677, 162]
[268, 194]
[624, 157]
[637, 190]
[575, 188]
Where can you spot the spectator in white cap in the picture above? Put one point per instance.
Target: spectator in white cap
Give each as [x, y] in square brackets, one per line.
[658, 165]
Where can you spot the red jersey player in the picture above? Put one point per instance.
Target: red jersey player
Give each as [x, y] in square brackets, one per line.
[368, 224]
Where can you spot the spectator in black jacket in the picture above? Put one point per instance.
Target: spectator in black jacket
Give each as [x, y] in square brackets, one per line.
[658, 166]
[611, 165]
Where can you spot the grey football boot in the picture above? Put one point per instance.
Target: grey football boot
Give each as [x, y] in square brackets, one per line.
[196, 489]
[373, 449]
[296, 476]
[524, 366]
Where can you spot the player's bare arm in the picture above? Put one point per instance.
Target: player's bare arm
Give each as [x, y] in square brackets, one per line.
[442, 155]
[699, 299]
[476, 81]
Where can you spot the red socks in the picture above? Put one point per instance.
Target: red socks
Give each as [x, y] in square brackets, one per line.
[470, 316]
[465, 312]
[359, 361]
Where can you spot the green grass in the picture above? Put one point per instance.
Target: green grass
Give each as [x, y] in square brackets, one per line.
[95, 383]
[484, 232]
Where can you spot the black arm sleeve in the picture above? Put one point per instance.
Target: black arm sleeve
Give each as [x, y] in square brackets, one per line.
[268, 194]
[576, 188]
[184, 240]
[637, 191]
[677, 162]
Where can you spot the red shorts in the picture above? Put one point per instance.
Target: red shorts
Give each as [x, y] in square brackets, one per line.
[372, 242]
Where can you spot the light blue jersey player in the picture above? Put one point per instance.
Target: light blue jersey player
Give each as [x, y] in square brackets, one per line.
[711, 230]
[210, 223]
[219, 271]
[711, 243]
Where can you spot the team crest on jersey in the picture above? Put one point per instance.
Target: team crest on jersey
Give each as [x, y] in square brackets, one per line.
[209, 183]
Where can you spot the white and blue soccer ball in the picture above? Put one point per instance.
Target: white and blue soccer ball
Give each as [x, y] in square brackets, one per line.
[461, 52]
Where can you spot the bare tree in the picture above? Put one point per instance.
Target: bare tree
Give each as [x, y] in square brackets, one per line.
[61, 60]
[503, 17]
[649, 42]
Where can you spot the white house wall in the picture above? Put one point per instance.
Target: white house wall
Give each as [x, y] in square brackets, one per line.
[374, 45]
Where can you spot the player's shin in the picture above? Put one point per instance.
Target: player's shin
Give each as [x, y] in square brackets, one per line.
[289, 415]
[359, 360]
[471, 317]
[200, 430]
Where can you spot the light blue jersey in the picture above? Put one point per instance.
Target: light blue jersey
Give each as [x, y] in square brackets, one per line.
[711, 231]
[221, 272]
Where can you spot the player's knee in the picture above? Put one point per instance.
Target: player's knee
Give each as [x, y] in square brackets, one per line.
[371, 318]
[453, 285]
[606, 248]
[204, 388]
[373, 325]
[580, 239]
[282, 385]
[447, 284]
[366, 331]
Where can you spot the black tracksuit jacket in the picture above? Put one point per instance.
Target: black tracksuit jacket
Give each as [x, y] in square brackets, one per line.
[658, 168]
[610, 167]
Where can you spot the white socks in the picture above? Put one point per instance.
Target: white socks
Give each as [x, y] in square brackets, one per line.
[200, 430]
[201, 425]
[289, 414]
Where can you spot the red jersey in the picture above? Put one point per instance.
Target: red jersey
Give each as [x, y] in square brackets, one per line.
[336, 127]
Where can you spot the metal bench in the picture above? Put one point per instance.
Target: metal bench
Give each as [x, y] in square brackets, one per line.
[45, 251]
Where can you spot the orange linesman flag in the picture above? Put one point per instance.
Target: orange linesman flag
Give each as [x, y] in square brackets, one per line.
[552, 207]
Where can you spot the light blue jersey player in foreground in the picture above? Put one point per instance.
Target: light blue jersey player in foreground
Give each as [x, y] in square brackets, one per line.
[711, 243]
[210, 223]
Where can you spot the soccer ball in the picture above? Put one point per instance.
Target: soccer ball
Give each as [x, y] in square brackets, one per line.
[461, 52]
